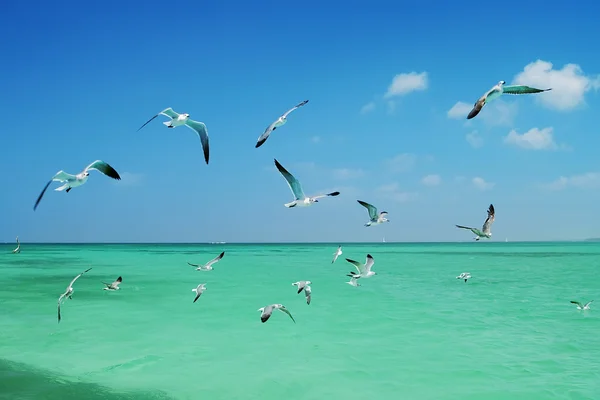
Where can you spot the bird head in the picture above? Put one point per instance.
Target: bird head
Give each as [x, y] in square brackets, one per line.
[314, 200]
[187, 115]
[86, 173]
[261, 309]
[308, 282]
[502, 83]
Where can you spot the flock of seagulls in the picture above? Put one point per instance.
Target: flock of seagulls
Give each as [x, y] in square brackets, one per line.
[363, 271]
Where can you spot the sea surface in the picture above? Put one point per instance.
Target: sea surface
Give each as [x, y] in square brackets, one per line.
[413, 331]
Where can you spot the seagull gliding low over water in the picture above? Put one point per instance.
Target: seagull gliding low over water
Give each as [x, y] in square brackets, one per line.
[581, 306]
[18, 249]
[184, 119]
[69, 292]
[300, 198]
[486, 230]
[364, 270]
[72, 181]
[464, 275]
[279, 122]
[497, 91]
[199, 290]
[376, 218]
[208, 265]
[337, 254]
[268, 310]
[114, 285]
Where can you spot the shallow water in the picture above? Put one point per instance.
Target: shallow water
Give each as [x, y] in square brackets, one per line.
[412, 331]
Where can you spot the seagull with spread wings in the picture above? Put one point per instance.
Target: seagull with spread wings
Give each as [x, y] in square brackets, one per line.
[581, 306]
[364, 270]
[199, 290]
[184, 119]
[69, 292]
[279, 122]
[497, 91]
[114, 285]
[376, 218]
[18, 249]
[267, 311]
[486, 230]
[337, 254]
[71, 181]
[300, 199]
[208, 265]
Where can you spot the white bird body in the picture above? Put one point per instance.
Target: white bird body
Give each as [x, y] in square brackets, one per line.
[71, 181]
[300, 199]
[114, 285]
[465, 275]
[69, 292]
[582, 306]
[18, 249]
[267, 311]
[208, 265]
[199, 290]
[337, 254]
[376, 218]
[353, 281]
[364, 270]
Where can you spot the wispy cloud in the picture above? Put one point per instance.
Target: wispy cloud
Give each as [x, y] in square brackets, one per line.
[393, 192]
[460, 110]
[588, 180]
[533, 139]
[402, 162]
[474, 139]
[568, 84]
[406, 83]
[481, 183]
[431, 180]
[347, 173]
[367, 108]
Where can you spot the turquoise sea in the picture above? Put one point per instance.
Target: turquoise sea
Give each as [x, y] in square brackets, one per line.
[413, 331]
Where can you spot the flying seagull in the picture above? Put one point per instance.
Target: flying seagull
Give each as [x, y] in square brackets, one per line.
[308, 292]
[337, 254]
[69, 292]
[352, 281]
[301, 285]
[464, 275]
[300, 198]
[199, 290]
[184, 119]
[208, 265]
[376, 218]
[279, 122]
[486, 230]
[268, 310]
[364, 270]
[582, 307]
[18, 249]
[497, 91]
[71, 181]
[114, 285]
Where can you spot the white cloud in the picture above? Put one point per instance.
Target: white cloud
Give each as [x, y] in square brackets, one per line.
[315, 139]
[533, 139]
[393, 192]
[402, 162]
[431, 180]
[405, 83]
[584, 181]
[460, 110]
[499, 112]
[481, 184]
[568, 84]
[367, 108]
[474, 139]
[348, 173]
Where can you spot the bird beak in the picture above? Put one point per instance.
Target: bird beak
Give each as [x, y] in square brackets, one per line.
[316, 201]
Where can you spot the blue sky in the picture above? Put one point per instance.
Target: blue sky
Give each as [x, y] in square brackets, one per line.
[389, 86]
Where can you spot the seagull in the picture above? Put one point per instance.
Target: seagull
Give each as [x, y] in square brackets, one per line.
[69, 292]
[299, 198]
[301, 285]
[184, 119]
[364, 270]
[464, 275]
[114, 285]
[71, 181]
[376, 218]
[582, 307]
[18, 249]
[497, 91]
[268, 310]
[279, 122]
[199, 290]
[353, 280]
[307, 292]
[337, 254]
[486, 230]
[208, 265]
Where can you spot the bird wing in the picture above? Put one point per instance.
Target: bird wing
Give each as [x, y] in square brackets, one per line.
[293, 108]
[335, 257]
[214, 260]
[576, 302]
[325, 195]
[198, 294]
[200, 129]
[521, 89]
[62, 176]
[487, 225]
[308, 292]
[293, 183]
[263, 138]
[105, 168]
[372, 209]
[41, 194]
[285, 310]
[358, 265]
[59, 300]
[77, 277]
[193, 265]
[369, 263]
[117, 282]
[588, 303]
[477, 107]
[167, 112]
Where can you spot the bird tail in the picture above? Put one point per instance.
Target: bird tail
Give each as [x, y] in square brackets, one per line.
[290, 205]
[61, 188]
[167, 123]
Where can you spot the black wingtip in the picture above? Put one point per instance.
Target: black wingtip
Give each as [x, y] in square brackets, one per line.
[369, 256]
[260, 143]
[473, 113]
[334, 194]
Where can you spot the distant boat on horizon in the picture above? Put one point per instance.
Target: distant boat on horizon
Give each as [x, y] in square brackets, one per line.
[383, 239]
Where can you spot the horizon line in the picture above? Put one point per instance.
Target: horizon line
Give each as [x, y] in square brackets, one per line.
[299, 242]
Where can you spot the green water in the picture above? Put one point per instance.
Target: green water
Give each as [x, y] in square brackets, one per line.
[412, 331]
